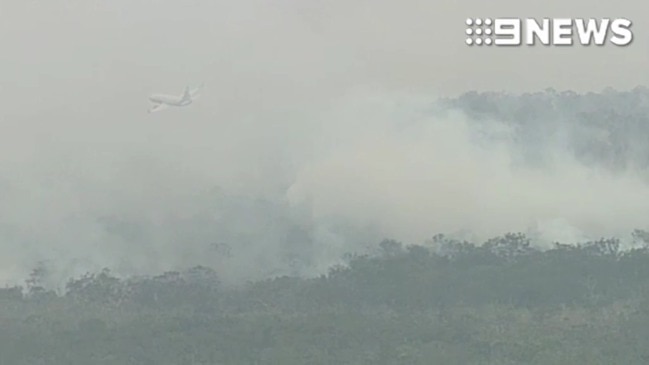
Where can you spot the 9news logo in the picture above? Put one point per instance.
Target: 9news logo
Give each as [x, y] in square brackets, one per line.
[548, 32]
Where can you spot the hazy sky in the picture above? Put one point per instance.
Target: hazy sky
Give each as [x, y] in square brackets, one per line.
[270, 51]
[306, 94]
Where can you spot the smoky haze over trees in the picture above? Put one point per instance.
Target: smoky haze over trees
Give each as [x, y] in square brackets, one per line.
[557, 166]
[491, 228]
[331, 198]
[300, 149]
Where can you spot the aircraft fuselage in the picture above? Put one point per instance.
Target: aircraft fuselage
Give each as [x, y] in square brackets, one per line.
[170, 100]
[162, 101]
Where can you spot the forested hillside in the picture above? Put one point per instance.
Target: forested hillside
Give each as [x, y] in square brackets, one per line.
[607, 129]
[502, 302]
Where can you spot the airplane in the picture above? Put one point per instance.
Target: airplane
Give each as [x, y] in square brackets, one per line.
[161, 102]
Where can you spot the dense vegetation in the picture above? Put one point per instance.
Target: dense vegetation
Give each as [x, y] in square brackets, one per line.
[503, 301]
[607, 129]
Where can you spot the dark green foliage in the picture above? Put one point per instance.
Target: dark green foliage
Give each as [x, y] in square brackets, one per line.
[502, 302]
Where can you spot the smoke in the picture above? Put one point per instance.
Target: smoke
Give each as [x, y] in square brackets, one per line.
[372, 165]
[279, 168]
[413, 174]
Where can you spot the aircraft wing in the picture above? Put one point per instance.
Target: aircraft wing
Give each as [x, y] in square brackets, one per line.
[157, 107]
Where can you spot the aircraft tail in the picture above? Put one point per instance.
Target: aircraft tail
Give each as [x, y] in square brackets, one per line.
[187, 95]
[196, 91]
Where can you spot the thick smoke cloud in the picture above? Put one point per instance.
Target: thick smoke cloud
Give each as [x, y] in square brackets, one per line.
[413, 173]
[300, 149]
[373, 165]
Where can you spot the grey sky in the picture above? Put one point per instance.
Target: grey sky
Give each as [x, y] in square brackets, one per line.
[283, 49]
